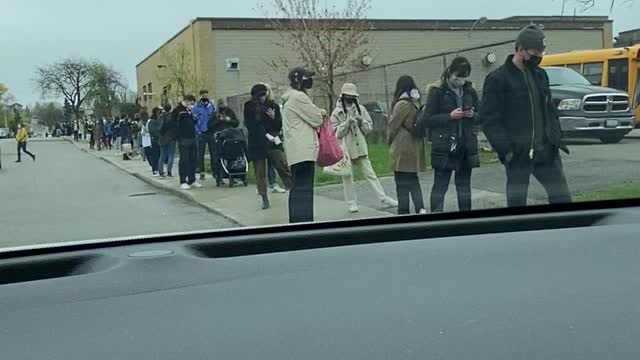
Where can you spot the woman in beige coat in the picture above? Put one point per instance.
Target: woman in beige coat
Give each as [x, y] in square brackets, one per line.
[352, 122]
[407, 152]
[301, 120]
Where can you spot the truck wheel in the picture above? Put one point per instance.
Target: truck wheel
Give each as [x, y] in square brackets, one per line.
[612, 139]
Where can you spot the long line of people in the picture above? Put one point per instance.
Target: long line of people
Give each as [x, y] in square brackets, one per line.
[283, 138]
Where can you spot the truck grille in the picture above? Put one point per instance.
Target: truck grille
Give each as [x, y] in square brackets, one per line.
[604, 103]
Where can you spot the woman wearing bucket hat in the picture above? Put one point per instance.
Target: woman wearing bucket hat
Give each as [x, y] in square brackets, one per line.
[352, 122]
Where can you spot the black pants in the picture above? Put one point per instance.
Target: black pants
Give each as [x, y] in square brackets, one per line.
[152, 153]
[205, 140]
[187, 165]
[441, 180]
[408, 186]
[22, 146]
[550, 174]
[301, 195]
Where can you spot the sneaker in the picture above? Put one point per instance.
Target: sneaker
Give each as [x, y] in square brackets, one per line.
[276, 189]
[155, 174]
[353, 208]
[196, 185]
[170, 175]
[423, 212]
[389, 203]
[185, 187]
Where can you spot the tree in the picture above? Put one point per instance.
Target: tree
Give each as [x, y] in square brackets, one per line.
[78, 81]
[6, 99]
[326, 39]
[177, 74]
[50, 114]
[107, 84]
[584, 5]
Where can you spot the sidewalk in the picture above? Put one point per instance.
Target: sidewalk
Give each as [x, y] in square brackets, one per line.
[239, 204]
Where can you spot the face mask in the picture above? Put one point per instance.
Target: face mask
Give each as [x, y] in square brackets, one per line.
[415, 94]
[263, 98]
[204, 100]
[307, 83]
[349, 102]
[457, 82]
[534, 61]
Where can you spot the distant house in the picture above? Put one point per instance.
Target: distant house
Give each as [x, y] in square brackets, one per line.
[628, 38]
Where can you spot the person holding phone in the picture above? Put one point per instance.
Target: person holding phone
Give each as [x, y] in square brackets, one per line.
[450, 115]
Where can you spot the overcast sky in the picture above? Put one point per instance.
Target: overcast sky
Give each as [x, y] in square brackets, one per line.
[123, 32]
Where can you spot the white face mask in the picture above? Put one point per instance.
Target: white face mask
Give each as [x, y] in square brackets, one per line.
[415, 94]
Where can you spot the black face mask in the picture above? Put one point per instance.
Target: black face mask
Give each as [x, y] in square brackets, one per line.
[204, 100]
[307, 83]
[533, 61]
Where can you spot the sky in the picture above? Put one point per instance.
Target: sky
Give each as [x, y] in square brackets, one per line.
[123, 32]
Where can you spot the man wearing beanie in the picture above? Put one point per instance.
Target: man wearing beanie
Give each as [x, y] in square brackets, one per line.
[521, 122]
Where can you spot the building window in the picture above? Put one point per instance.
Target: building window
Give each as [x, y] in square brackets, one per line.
[619, 74]
[593, 73]
[144, 93]
[233, 64]
[150, 88]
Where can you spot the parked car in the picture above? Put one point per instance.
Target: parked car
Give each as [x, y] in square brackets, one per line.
[380, 116]
[588, 111]
[5, 133]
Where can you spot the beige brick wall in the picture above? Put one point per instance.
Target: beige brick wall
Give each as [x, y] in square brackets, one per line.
[255, 48]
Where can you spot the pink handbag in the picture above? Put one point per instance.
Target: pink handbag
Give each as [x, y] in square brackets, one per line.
[330, 150]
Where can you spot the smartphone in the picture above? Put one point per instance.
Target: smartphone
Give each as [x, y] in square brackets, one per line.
[467, 108]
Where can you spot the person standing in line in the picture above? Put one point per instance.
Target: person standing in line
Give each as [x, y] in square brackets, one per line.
[108, 133]
[98, 133]
[153, 126]
[521, 122]
[187, 142]
[151, 152]
[125, 135]
[204, 112]
[407, 151]
[115, 134]
[301, 121]
[223, 118]
[22, 135]
[264, 125]
[352, 122]
[76, 130]
[167, 141]
[450, 115]
[271, 170]
[89, 129]
[136, 135]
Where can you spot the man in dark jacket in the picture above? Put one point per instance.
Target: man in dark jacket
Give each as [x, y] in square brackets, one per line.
[167, 141]
[186, 142]
[224, 118]
[521, 122]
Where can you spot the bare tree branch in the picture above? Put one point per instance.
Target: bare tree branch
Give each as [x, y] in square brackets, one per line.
[326, 39]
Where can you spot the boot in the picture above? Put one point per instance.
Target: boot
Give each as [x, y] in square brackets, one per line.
[265, 202]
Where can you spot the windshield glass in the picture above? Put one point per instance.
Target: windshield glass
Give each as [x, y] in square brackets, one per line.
[134, 118]
[565, 76]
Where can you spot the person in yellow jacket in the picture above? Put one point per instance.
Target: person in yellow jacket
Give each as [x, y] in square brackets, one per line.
[21, 138]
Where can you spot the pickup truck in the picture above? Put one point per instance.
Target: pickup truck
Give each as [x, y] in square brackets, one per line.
[588, 111]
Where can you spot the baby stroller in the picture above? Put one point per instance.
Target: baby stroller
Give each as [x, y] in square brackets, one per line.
[231, 146]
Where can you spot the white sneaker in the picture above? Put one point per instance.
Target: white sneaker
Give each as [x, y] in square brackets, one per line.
[389, 203]
[155, 174]
[185, 186]
[423, 212]
[197, 185]
[353, 208]
[276, 189]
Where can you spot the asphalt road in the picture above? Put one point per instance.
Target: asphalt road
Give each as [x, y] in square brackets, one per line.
[69, 195]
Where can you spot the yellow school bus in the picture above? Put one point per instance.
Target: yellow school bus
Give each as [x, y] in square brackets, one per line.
[617, 68]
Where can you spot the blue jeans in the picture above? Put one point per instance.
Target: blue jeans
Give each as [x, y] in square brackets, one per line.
[271, 174]
[167, 154]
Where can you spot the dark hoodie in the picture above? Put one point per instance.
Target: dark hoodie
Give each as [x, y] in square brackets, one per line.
[186, 123]
[259, 124]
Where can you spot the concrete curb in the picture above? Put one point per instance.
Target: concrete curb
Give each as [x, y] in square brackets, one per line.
[170, 189]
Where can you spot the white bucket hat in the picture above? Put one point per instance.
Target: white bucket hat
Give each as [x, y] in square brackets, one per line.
[350, 90]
